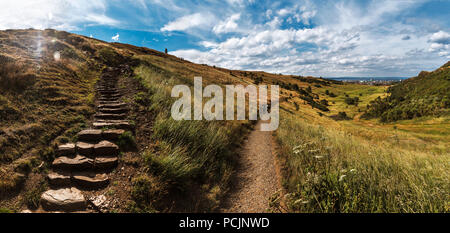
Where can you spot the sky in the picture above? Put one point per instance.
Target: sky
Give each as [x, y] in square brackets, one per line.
[328, 38]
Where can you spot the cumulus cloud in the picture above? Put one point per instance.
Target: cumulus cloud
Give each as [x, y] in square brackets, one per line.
[440, 44]
[346, 39]
[440, 37]
[58, 14]
[228, 25]
[189, 21]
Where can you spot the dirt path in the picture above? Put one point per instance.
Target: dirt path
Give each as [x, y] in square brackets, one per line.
[256, 178]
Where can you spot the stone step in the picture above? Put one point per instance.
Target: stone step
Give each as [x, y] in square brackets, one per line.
[110, 95]
[78, 162]
[109, 99]
[112, 105]
[110, 116]
[82, 179]
[106, 162]
[66, 149]
[106, 87]
[90, 179]
[118, 125]
[65, 199]
[109, 92]
[84, 148]
[112, 134]
[113, 110]
[109, 102]
[106, 148]
[90, 135]
[59, 178]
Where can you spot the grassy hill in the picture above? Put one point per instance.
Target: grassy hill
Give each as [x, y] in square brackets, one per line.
[47, 94]
[428, 94]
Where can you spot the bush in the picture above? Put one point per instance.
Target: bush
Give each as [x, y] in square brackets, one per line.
[126, 141]
[145, 192]
[352, 101]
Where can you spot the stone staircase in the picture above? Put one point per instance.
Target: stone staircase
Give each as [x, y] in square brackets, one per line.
[84, 166]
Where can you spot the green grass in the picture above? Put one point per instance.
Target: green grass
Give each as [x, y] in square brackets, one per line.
[329, 170]
[365, 94]
[187, 152]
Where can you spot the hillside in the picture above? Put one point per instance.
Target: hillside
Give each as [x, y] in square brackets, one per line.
[47, 96]
[428, 94]
[49, 93]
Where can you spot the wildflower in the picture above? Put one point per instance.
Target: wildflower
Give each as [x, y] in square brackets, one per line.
[353, 170]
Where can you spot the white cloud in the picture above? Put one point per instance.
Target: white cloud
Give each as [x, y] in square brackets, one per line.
[116, 37]
[440, 37]
[345, 40]
[283, 12]
[189, 21]
[229, 25]
[58, 14]
[440, 44]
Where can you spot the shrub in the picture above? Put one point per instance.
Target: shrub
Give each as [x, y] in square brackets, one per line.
[126, 141]
[145, 192]
[352, 101]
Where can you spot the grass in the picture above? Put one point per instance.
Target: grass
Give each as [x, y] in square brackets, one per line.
[186, 153]
[328, 169]
[32, 197]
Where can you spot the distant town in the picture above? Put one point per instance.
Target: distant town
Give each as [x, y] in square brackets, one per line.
[376, 81]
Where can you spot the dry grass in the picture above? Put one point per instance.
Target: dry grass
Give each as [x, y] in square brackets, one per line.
[363, 166]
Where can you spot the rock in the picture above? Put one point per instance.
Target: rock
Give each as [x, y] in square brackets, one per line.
[113, 110]
[110, 116]
[67, 199]
[104, 162]
[59, 178]
[118, 124]
[100, 202]
[112, 105]
[112, 134]
[66, 149]
[84, 148]
[91, 179]
[106, 148]
[90, 135]
[78, 162]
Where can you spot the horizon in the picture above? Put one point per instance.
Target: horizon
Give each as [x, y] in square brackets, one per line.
[308, 38]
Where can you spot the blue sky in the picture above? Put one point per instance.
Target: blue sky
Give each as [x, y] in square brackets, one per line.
[305, 37]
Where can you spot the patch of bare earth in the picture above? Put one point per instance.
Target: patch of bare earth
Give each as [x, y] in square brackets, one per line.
[256, 178]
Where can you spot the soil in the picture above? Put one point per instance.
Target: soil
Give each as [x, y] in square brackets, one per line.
[257, 176]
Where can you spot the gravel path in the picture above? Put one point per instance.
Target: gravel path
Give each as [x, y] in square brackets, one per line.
[256, 177]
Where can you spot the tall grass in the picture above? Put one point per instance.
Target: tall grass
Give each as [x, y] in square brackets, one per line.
[189, 151]
[328, 170]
